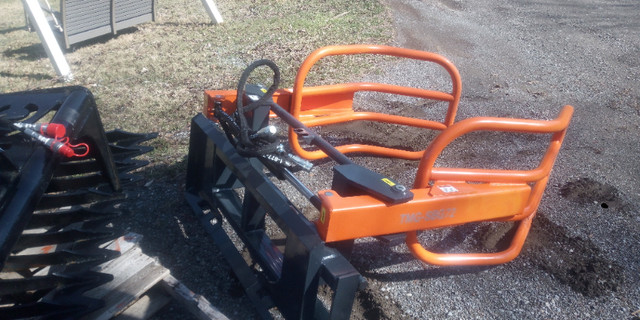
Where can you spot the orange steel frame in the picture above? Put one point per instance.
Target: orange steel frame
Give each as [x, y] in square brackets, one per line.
[443, 197]
[346, 93]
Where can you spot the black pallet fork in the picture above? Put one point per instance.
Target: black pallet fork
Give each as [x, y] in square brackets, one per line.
[55, 205]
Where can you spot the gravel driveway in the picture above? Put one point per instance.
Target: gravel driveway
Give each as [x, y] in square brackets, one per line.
[528, 59]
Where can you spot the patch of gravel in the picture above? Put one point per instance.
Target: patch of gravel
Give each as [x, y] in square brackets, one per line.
[526, 59]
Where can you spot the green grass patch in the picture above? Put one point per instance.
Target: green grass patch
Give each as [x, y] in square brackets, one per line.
[152, 77]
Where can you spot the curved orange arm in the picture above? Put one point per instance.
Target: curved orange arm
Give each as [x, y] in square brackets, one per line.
[538, 176]
[346, 91]
[558, 127]
[468, 259]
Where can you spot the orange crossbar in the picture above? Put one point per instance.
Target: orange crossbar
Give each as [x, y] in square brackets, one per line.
[346, 91]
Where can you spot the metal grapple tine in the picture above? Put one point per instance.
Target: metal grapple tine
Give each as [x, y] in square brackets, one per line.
[66, 217]
[129, 165]
[127, 139]
[121, 153]
[50, 281]
[78, 182]
[80, 167]
[75, 198]
[61, 237]
[63, 257]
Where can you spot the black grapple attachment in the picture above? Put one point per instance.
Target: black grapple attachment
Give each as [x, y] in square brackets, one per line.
[62, 178]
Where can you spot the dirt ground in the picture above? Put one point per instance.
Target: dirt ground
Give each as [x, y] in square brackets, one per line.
[517, 59]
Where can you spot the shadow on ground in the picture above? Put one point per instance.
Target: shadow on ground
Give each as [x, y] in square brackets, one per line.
[156, 209]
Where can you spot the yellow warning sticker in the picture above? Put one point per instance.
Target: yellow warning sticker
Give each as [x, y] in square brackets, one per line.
[263, 90]
[389, 182]
[323, 213]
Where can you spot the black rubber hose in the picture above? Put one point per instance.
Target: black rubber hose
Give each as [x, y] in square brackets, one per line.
[243, 81]
[240, 109]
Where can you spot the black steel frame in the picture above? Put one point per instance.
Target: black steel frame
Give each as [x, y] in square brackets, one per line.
[68, 202]
[287, 278]
[35, 163]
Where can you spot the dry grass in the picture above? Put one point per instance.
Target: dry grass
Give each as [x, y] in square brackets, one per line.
[152, 78]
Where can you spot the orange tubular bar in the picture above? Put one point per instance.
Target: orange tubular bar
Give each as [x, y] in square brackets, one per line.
[469, 259]
[343, 93]
[538, 177]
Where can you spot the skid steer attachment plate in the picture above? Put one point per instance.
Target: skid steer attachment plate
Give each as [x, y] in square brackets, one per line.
[291, 276]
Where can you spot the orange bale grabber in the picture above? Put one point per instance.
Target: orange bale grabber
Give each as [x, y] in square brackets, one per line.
[363, 203]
